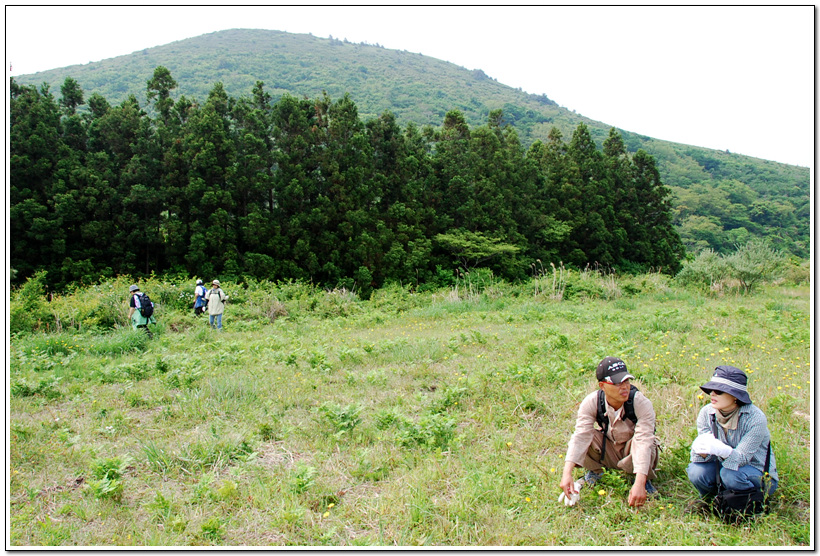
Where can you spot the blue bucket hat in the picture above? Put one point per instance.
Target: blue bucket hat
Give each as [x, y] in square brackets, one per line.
[730, 380]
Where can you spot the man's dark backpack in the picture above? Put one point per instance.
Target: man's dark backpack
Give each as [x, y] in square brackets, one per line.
[146, 307]
[603, 420]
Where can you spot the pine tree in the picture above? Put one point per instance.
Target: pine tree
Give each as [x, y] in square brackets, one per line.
[654, 242]
[209, 147]
[257, 229]
[37, 239]
[401, 175]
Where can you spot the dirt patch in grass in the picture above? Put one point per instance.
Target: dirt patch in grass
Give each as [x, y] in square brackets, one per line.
[74, 483]
[275, 454]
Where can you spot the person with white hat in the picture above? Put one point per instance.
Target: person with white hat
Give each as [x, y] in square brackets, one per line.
[216, 305]
[733, 440]
[199, 298]
[624, 440]
[137, 300]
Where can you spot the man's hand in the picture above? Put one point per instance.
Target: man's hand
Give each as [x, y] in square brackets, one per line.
[571, 489]
[637, 494]
[573, 499]
[567, 484]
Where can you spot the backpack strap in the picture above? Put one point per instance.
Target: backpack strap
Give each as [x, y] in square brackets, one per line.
[629, 405]
[719, 484]
[602, 420]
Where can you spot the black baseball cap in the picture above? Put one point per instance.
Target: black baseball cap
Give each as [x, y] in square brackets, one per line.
[612, 370]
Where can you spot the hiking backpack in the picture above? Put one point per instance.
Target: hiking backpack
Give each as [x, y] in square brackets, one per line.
[146, 306]
[603, 420]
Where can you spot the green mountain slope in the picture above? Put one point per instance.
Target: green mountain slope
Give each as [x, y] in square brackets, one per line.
[422, 89]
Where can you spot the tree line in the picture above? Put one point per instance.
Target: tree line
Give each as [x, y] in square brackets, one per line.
[303, 189]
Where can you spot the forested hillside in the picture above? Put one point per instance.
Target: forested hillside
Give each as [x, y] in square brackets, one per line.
[108, 122]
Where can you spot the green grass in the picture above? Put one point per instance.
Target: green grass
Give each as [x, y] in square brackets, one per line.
[406, 420]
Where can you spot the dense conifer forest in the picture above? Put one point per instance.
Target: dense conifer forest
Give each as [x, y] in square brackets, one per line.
[304, 189]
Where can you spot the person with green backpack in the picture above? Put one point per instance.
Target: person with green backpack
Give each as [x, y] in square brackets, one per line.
[141, 310]
[624, 438]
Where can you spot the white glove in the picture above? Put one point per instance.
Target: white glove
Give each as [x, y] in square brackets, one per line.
[719, 448]
[701, 444]
[574, 497]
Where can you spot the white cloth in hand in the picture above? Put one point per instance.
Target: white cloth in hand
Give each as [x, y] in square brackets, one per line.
[574, 497]
[702, 442]
[720, 449]
[706, 443]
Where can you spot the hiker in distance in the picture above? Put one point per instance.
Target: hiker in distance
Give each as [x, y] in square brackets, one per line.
[625, 439]
[216, 305]
[141, 310]
[733, 440]
[199, 298]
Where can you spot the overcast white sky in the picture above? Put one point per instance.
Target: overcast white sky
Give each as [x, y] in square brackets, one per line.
[739, 78]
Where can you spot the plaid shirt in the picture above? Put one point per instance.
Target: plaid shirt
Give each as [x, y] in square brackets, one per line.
[749, 441]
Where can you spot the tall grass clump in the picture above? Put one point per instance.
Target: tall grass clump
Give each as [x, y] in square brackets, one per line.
[550, 284]
[592, 282]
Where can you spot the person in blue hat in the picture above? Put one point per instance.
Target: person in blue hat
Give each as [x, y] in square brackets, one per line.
[733, 439]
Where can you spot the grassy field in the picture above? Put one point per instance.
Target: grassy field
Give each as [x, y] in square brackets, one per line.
[437, 418]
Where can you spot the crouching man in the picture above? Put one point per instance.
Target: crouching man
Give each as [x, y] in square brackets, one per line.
[625, 438]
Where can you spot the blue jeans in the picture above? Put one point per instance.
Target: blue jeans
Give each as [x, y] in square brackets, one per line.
[703, 476]
[218, 319]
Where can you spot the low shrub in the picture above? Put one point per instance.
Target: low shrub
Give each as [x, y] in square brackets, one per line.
[591, 283]
[45, 387]
[797, 272]
[433, 431]
[29, 311]
[342, 420]
[749, 266]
